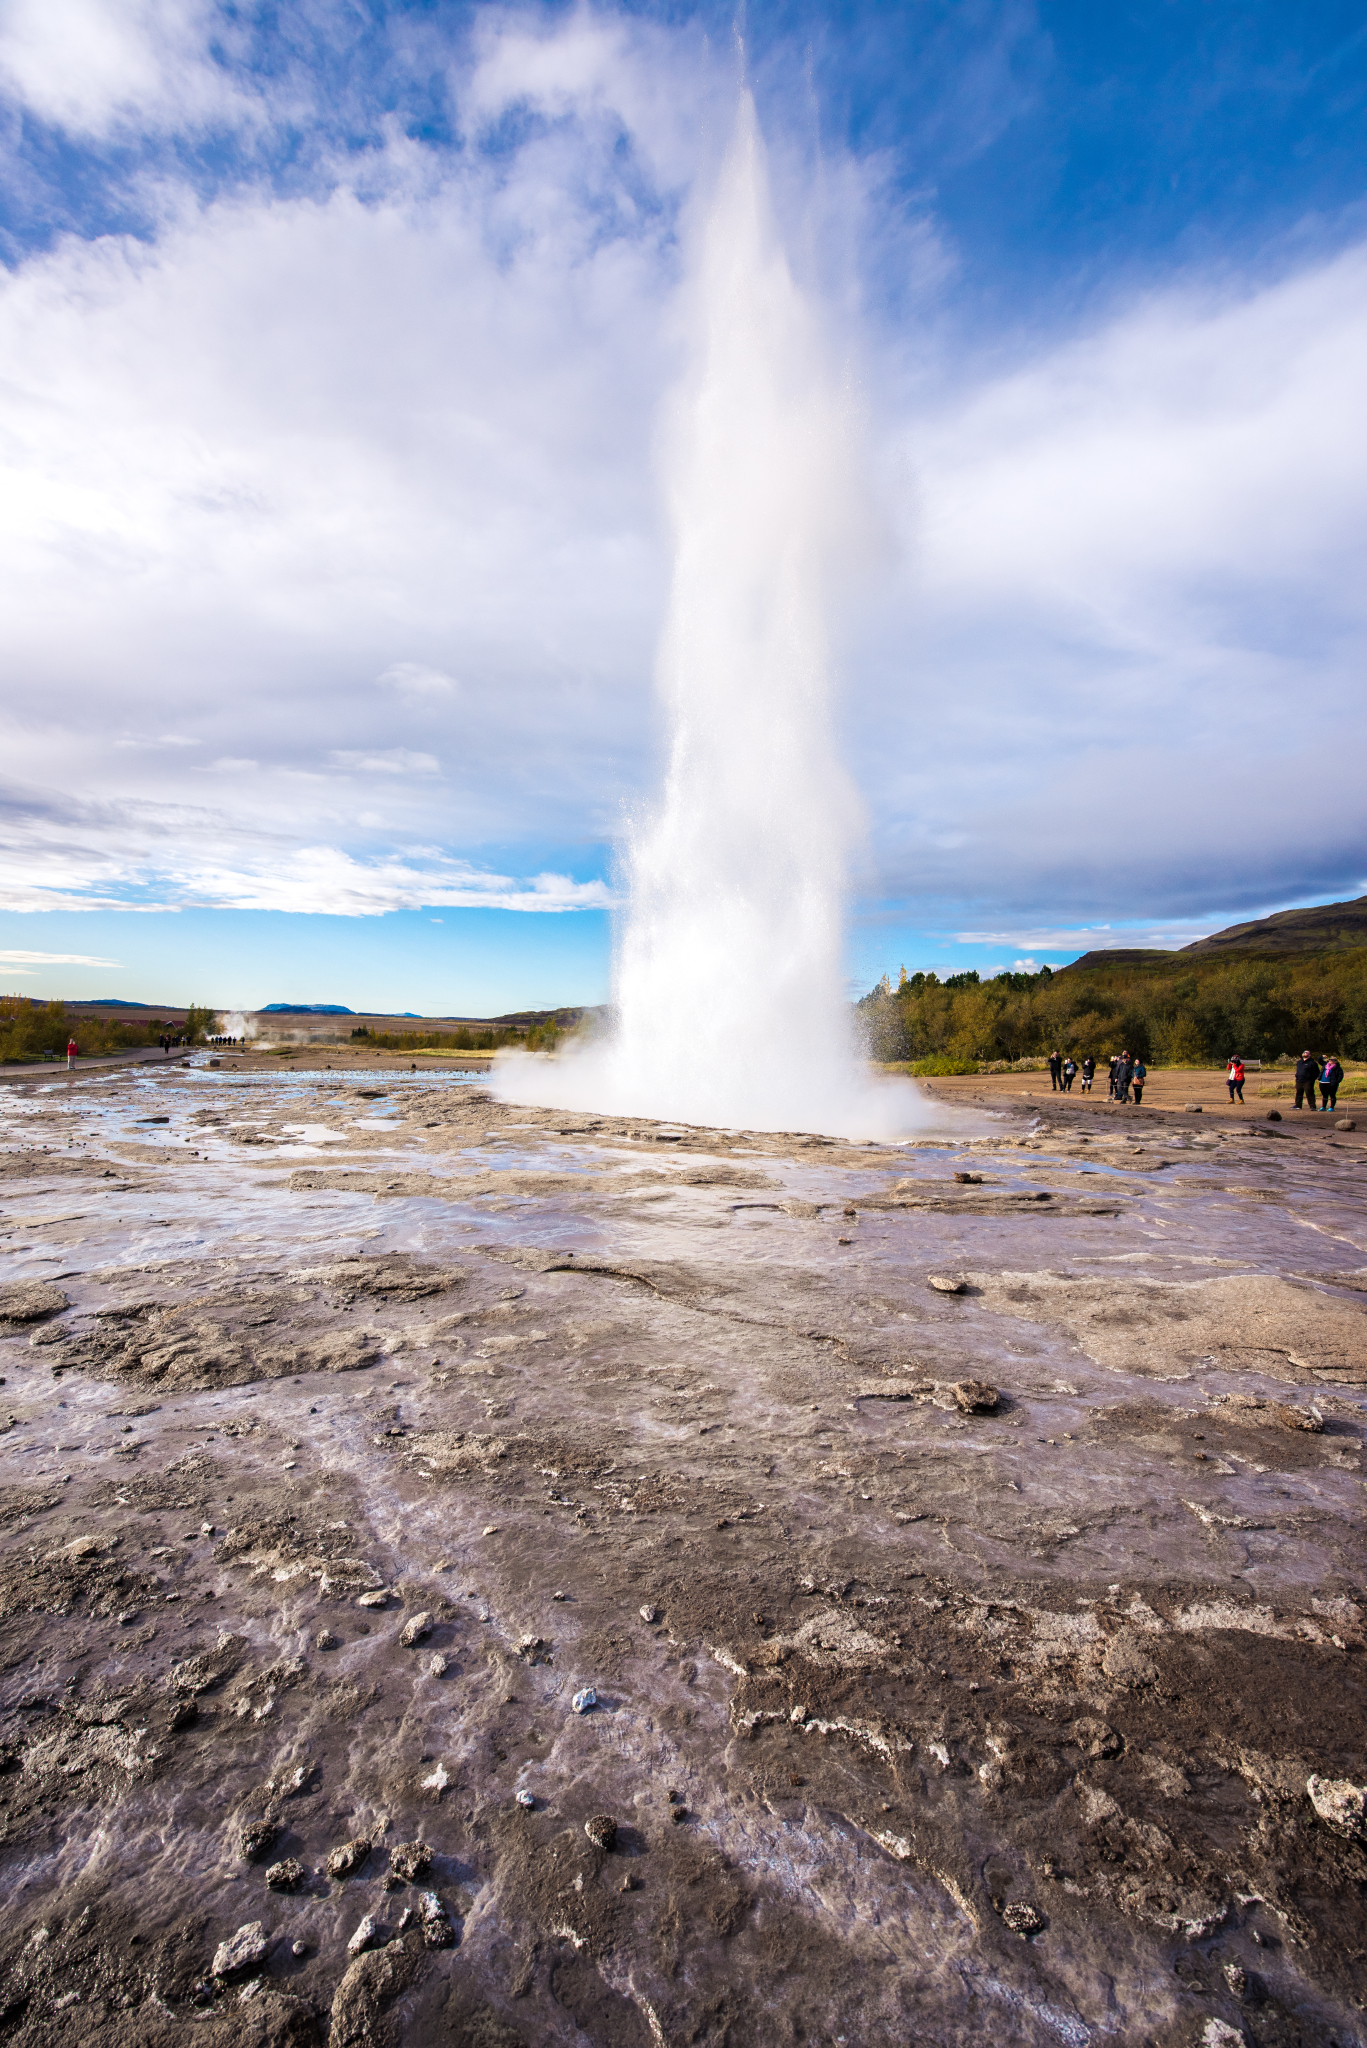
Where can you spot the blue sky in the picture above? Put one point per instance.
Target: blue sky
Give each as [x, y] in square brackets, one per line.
[335, 342]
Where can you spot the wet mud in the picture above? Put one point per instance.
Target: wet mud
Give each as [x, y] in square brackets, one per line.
[474, 1575]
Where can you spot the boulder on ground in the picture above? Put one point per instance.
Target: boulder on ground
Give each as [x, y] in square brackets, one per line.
[410, 1860]
[1341, 1805]
[975, 1397]
[348, 1857]
[243, 1951]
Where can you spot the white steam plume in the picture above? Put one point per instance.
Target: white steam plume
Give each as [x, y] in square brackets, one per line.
[729, 968]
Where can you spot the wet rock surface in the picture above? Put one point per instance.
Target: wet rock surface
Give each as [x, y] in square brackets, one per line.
[329, 1488]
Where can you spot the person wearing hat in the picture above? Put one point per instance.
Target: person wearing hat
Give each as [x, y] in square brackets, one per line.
[1307, 1073]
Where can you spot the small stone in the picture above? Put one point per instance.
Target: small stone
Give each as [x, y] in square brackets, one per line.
[1345, 1123]
[325, 1640]
[414, 1630]
[436, 1781]
[437, 1931]
[255, 1837]
[560, 1596]
[649, 1613]
[972, 1180]
[975, 1397]
[345, 1860]
[128, 1617]
[285, 1876]
[299, 1948]
[601, 1830]
[1274, 1116]
[1219, 2034]
[1023, 1920]
[1341, 1805]
[584, 1701]
[948, 1283]
[526, 1800]
[437, 1665]
[678, 1813]
[1291, 1417]
[1237, 1980]
[379, 1598]
[489, 1529]
[369, 1934]
[206, 1529]
[294, 1782]
[410, 1860]
[844, 1240]
[245, 1950]
[1193, 1109]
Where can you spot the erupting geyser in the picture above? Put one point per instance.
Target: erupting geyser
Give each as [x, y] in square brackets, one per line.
[728, 981]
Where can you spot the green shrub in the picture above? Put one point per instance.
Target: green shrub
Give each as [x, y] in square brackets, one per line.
[942, 1063]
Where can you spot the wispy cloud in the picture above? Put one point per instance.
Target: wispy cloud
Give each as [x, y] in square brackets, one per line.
[10, 959]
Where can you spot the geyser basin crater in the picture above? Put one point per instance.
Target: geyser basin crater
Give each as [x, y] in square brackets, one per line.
[331, 1481]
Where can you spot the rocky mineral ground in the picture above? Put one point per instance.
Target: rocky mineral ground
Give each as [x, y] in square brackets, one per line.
[487, 1577]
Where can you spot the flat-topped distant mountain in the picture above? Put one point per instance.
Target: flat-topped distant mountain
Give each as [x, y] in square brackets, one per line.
[305, 1010]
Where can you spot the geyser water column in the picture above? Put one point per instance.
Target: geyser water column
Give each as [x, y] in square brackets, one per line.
[728, 996]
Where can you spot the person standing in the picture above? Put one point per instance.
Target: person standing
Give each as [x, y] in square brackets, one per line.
[1069, 1074]
[1124, 1069]
[1056, 1071]
[1088, 1070]
[1234, 1077]
[1307, 1073]
[1331, 1079]
[71, 1051]
[1141, 1075]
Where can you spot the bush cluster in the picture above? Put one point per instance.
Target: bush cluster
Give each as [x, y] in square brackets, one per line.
[1178, 1011]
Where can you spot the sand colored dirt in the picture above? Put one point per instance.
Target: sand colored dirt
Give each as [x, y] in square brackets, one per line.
[358, 1426]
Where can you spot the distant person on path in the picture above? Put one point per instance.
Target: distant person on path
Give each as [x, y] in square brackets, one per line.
[1331, 1079]
[1069, 1074]
[1115, 1069]
[1056, 1071]
[1141, 1075]
[1124, 1069]
[1234, 1076]
[1088, 1070]
[71, 1051]
[1307, 1073]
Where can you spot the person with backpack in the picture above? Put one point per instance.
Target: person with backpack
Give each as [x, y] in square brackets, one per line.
[1331, 1080]
[1234, 1076]
[1069, 1074]
[1056, 1071]
[1141, 1075]
[1307, 1073]
[1088, 1070]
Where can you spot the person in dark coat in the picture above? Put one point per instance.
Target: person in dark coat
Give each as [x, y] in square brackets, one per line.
[1124, 1071]
[1056, 1070]
[1088, 1070]
[1069, 1074]
[1307, 1073]
[1331, 1080]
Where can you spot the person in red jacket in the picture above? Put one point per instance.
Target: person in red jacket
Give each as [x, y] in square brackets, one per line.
[71, 1051]
[1234, 1075]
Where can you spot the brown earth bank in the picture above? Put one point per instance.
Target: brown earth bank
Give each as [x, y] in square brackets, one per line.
[481, 1575]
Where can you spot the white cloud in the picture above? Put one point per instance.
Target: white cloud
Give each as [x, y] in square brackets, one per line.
[9, 959]
[356, 482]
[1074, 939]
[394, 761]
[90, 66]
[412, 679]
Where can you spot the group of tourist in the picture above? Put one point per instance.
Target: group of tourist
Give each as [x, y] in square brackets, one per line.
[1328, 1073]
[1128, 1075]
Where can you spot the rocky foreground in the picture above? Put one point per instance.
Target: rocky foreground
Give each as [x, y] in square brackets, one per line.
[479, 1576]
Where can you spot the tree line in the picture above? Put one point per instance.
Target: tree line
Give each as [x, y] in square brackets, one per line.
[31, 1031]
[1178, 1011]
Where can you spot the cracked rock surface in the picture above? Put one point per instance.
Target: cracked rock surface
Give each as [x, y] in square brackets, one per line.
[973, 1664]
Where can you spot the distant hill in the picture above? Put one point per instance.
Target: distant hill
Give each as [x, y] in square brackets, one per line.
[1117, 956]
[305, 1010]
[1322, 928]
